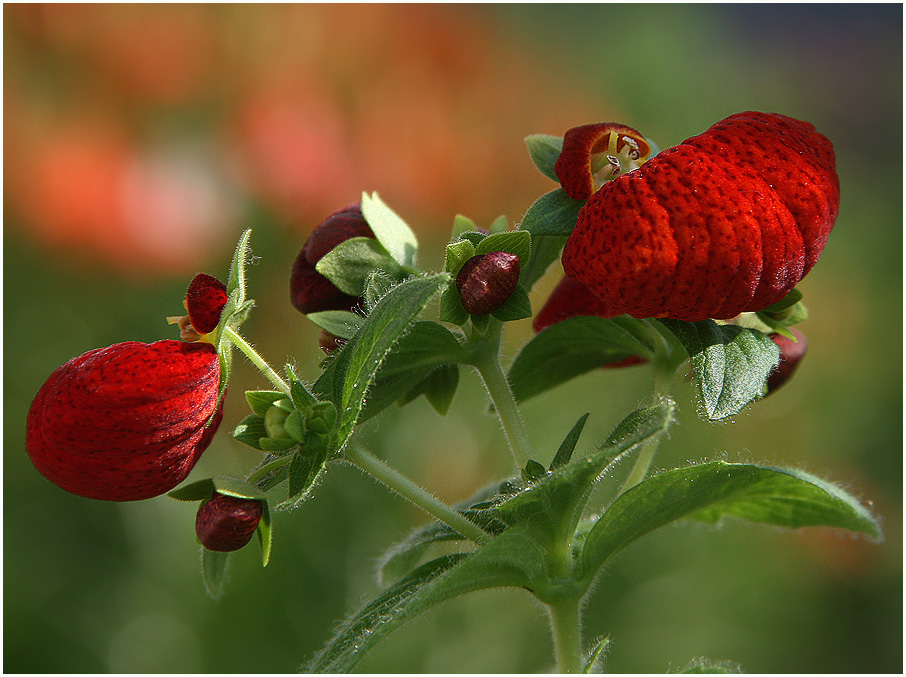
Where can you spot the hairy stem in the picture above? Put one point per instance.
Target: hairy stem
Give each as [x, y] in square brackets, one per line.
[566, 627]
[392, 478]
[246, 348]
[487, 361]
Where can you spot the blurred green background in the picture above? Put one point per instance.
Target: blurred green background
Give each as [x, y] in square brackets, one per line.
[141, 140]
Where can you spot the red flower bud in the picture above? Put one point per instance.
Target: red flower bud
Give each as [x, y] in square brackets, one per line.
[205, 299]
[127, 422]
[486, 281]
[726, 222]
[311, 292]
[226, 523]
[791, 354]
[573, 299]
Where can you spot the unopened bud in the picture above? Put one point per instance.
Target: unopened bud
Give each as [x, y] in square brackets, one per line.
[226, 523]
[791, 354]
[486, 281]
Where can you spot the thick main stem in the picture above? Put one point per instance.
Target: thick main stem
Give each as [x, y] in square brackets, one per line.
[566, 627]
[392, 478]
[487, 362]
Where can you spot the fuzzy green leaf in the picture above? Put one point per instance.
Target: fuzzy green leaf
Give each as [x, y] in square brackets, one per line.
[565, 452]
[517, 307]
[554, 213]
[731, 363]
[714, 491]
[349, 264]
[390, 230]
[195, 491]
[214, 571]
[544, 150]
[518, 242]
[340, 323]
[575, 346]
[545, 250]
[456, 254]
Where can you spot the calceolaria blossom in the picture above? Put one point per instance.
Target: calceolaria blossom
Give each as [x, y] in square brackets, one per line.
[128, 422]
[726, 222]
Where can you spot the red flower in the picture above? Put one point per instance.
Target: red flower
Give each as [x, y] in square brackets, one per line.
[127, 422]
[726, 222]
[573, 299]
[226, 523]
[205, 299]
[311, 292]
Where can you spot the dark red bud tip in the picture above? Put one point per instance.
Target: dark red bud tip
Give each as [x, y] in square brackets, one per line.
[791, 354]
[622, 148]
[226, 523]
[311, 292]
[328, 342]
[127, 422]
[205, 299]
[486, 281]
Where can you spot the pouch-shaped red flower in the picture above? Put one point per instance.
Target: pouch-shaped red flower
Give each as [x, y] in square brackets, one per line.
[728, 221]
[126, 422]
[311, 292]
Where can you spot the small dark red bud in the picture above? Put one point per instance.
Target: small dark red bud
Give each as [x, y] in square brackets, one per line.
[311, 292]
[791, 354]
[486, 281]
[226, 523]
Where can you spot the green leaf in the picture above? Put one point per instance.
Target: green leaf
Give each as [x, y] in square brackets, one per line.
[214, 571]
[594, 659]
[438, 387]
[554, 213]
[250, 430]
[545, 250]
[565, 452]
[301, 396]
[731, 363]
[517, 307]
[510, 559]
[544, 150]
[340, 323]
[551, 506]
[462, 224]
[533, 471]
[390, 319]
[518, 242]
[575, 346]
[499, 225]
[706, 666]
[195, 491]
[451, 309]
[349, 264]
[714, 491]
[377, 284]
[390, 230]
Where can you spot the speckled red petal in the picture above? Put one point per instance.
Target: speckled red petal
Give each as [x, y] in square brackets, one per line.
[205, 299]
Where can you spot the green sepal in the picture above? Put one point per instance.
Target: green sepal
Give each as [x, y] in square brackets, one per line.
[295, 427]
[474, 237]
[568, 445]
[456, 254]
[451, 309]
[300, 395]
[261, 400]
[787, 302]
[214, 567]
[544, 150]
[341, 323]
[251, 429]
[481, 323]
[517, 307]
[731, 364]
[518, 242]
[349, 264]
[498, 225]
[233, 486]
[462, 224]
[554, 213]
[276, 445]
[390, 230]
[304, 473]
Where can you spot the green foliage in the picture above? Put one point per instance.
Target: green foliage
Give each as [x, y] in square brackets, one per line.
[544, 150]
[349, 264]
[391, 231]
[731, 363]
[554, 213]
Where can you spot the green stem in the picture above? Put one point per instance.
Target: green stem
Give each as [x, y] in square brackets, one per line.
[269, 467]
[566, 627]
[257, 360]
[487, 361]
[392, 478]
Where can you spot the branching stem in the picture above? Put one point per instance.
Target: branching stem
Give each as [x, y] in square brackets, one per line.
[246, 348]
